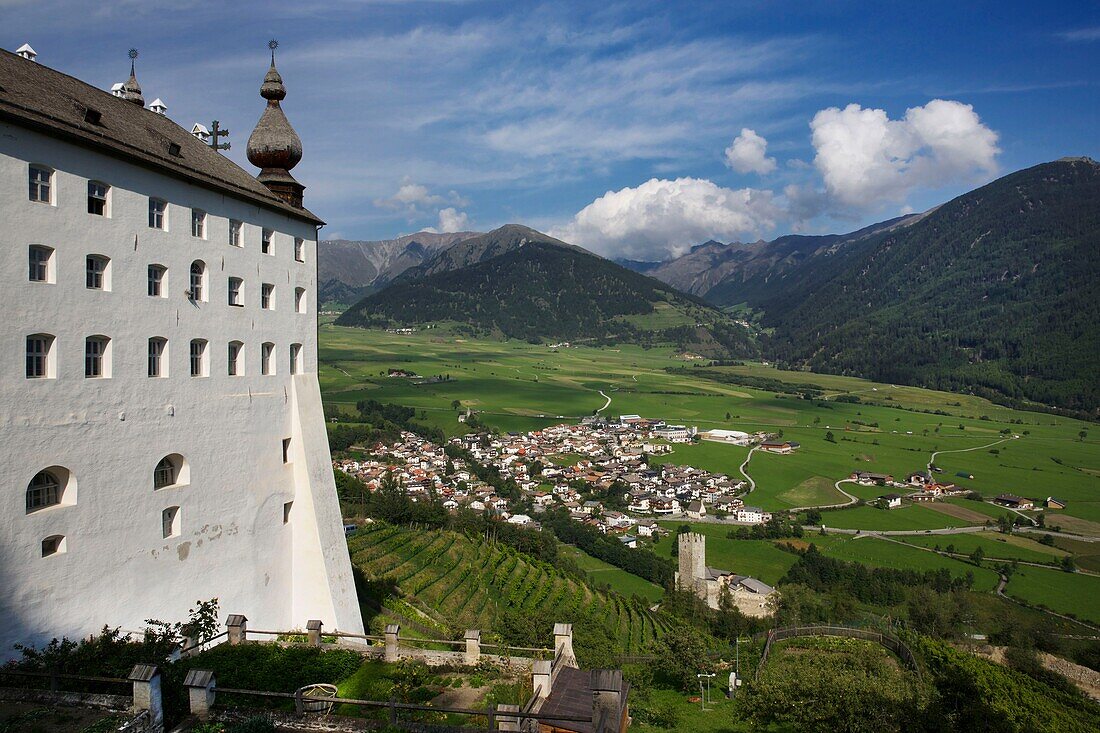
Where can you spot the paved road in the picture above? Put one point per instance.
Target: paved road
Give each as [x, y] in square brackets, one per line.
[887, 532]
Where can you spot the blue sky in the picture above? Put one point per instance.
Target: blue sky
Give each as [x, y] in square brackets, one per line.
[635, 128]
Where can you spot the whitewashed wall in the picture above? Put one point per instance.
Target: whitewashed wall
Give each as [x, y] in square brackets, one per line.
[110, 433]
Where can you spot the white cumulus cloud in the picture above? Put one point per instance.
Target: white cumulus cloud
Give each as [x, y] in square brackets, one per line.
[452, 220]
[412, 198]
[865, 158]
[663, 218]
[747, 153]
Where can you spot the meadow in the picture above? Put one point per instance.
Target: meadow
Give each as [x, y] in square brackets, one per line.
[894, 429]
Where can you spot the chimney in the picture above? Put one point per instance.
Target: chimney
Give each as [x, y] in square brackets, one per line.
[607, 700]
[26, 52]
[159, 107]
[200, 131]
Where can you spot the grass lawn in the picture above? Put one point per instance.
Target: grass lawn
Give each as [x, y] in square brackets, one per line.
[996, 546]
[1087, 554]
[911, 516]
[758, 558]
[1069, 593]
[721, 715]
[621, 581]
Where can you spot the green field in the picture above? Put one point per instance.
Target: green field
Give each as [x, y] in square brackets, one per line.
[621, 582]
[1068, 593]
[877, 552]
[463, 583]
[517, 386]
[995, 546]
[909, 516]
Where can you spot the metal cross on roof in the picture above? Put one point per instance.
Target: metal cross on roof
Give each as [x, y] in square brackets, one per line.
[215, 133]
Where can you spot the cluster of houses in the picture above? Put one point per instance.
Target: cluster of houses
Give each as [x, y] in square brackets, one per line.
[929, 488]
[567, 466]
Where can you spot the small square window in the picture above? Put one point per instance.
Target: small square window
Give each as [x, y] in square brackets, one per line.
[286, 511]
[97, 198]
[39, 348]
[198, 358]
[198, 223]
[97, 273]
[97, 364]
[299, 249]
[235, 285]
[53, 545]
[41, 184]
[266, 246]
[40, 260]
[267, 359]
[158, 214]
[235, 228]
[267, 296]
[286, 450]
[156, 281]
[157, 349]
[170, 522]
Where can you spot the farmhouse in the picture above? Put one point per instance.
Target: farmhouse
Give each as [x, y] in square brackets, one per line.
[877, 479]
[696, 510]
[787, 446]
[1014, 502]
[1053, 503]
[751, 515]
[890, 501]
[728, 436]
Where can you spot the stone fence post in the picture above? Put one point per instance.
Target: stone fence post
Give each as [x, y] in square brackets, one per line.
[541, 679]
[237, 627]
[473, 647]
[200, 692]
[147, 694]
[563, 645]
[313, 628]
[391, 634]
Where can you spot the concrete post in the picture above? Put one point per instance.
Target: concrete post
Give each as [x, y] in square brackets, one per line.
[147, 695]
[541, 678]
[607, 690]
[563, 645]
[200, 692]
[505, 721]
[237, 626]
[473, 647]
[313, 628]
[391, 634]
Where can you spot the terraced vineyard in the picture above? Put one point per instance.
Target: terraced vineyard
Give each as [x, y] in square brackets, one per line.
[462, 583]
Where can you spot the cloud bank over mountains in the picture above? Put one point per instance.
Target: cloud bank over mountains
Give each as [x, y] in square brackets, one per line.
[864, 161]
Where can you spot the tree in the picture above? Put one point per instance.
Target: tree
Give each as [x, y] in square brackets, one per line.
[1083, 434]
[830, 437]
[727, 417]
[682, 654]
[813, 517]
[1069, 564]
[977, 556]
[455, 404]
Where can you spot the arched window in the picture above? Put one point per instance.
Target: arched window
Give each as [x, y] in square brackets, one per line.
[172, 470]
[40, 260]
[53, 545]
[158, 357]
[300, 300]
[296, 359]
[97, 357]
[40, 357]
[236, 362]
[170, 522]
[198, 281]
[44, 490]
[267, 358]
[198, 358]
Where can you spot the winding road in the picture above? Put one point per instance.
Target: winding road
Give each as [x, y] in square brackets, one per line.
[606, 404]
[932, 459]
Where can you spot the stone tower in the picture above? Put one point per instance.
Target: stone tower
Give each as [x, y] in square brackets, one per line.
[693, 562]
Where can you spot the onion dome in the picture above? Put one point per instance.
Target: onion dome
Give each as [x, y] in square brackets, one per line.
[131, 90]
[274, 146]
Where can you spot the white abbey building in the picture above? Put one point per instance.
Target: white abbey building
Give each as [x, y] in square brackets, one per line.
[161, 432]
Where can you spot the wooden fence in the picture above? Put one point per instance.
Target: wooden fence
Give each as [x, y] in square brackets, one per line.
[888, 641]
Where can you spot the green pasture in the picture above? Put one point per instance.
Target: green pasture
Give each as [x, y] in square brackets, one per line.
[906, 517]
[996, 546]
[1068, 593]
[620, 581]
[877, 552]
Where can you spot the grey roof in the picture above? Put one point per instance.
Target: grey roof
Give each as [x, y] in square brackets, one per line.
[198, 678]
[53, 103]
[572, 697]
[142, 672]
[756, 586]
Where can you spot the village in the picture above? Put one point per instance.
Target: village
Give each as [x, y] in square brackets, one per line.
[607, 473]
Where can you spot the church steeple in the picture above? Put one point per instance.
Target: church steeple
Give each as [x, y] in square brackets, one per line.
[131, 90]
[274, 147]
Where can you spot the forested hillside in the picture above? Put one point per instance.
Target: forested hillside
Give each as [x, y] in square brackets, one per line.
[996, 292]
[541, 289]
